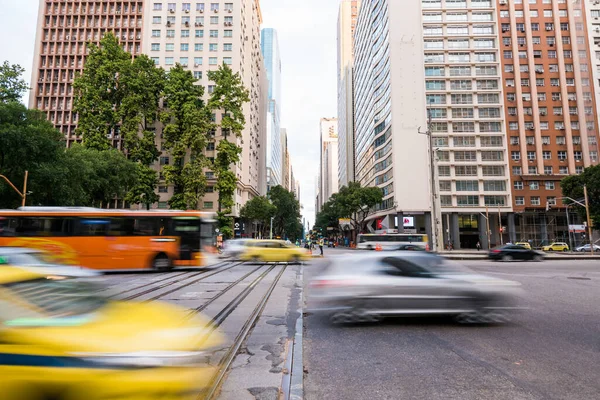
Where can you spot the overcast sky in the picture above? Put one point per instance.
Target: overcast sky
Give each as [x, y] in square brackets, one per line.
[307, 40]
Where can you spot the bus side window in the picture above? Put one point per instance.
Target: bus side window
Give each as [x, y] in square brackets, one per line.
[93, 227]
[8, 226]
[146, 227]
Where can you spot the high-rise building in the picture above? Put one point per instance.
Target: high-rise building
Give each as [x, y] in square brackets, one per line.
[348, 12]
[551, 107]
[63, 30]
[328, 164]
[200, 37]
[272, 59]
[285, 166]
[445, 63]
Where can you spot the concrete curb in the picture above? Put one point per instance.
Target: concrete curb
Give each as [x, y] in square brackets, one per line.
[546, 257]
[297, 372]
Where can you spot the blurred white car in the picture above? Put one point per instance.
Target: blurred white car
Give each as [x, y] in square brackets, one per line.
[33, 260]
[234, 248]
[586, 247]
[369, 287]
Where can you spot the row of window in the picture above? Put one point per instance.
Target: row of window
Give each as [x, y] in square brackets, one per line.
[465, 112]
[462, 70]
[542, 82]
[534, 185]
[540, 68]
[196, 47]
[214, 7]
[484, 98]
[198, 61]
[535, 200]
[460, 127]
[471, 170]
[547, 155]
[535, 13]
[550, 40]
[544, 125]
[551, 54]
[473, 200]
[462, 84]
[459, 30]
[471, 155]
[458, 17]
[556, 96]
[440, 58]
[198, 33]
[548, 26]
[457, 3]
[91, 8]
[459, 44]
[186, 20]
[473, 186]
[532, 170]
[560, 140]
[469, 141]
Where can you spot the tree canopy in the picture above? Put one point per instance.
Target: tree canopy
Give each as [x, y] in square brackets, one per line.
[572, 186]
[260, 210]
[286, 222]
[12, 86]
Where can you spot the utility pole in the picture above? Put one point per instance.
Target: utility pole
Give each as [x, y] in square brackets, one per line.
[436, 207]
[500, 232]
[22, 195]
[589, 220]
[487, 226]
[271, 230]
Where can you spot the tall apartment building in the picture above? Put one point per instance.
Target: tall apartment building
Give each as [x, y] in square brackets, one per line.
[348, 13]
[272, 58]
[327, 182]
[551, 106]
[444, 61]
[285, 165]
[63, 30]
[201, 36]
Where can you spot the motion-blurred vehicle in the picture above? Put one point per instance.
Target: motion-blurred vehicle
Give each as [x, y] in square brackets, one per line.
[274, 251]
[391, 241]
[510, 252]
[34, 261]
[411, 247]
[524, 244]
[235, 247]
[59, 340]
[556, 246]
[368, 287]
[586, 247]
[113, 239]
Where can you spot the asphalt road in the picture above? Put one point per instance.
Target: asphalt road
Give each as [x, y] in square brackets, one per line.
[550, 351]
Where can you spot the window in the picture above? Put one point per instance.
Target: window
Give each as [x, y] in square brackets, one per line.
[170, 47]
[466, 201]
[531, 155]
[169, 61]
[228, 33]
[213, 47]
[163, 189]
[208, 205]
[492, 170]
[214, 33]
[199, 47]
[155, 47]
[560, 140]
[494, 200]
[515, 155]
[465, 170]
[463, 127]
[491, 141]
[227, 60]
[535, 200]
[514, 140]
[462, 113]
[465, 156]
[197, 61]
[517, 171]
[155, 33]
[443, 170]
[214, 20]
[518, 185]
[534, 185]
[185, 46]
[183, 61]
[445, 186]
[156, 20]
[463, 141]
[199, 33]
[548, 170]
[519, 200]
[492, 156]
[164, 160]
[494, 186]
[185, 33]
[227, 47]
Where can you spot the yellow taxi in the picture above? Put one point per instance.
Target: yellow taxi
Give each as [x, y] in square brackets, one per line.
[556, 246]
[524, 244]
[60, 340]
[274, 251]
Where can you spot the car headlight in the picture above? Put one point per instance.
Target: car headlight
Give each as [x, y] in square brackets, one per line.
[143, 359]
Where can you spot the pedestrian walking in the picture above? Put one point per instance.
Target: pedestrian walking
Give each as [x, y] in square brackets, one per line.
[321, 244]
[478, 246]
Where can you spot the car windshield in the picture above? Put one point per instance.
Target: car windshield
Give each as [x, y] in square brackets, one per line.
[47, 298]
[439, 265]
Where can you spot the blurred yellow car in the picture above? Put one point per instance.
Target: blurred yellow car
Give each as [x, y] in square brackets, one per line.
[61, 341]
[556, 246]
[524, 244]
[275, 251]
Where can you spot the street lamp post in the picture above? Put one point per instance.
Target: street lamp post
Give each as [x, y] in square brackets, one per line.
[436, 207]
[587, 213]
[271, 230]
[22, 195]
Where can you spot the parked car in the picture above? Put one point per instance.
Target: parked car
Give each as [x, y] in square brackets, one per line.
[274, 251]
[62, 339]
[586, 247]
[510, 252]
[362, 288]
[556, 246]
[235, 247]
[33, 260]
[411, 247]
[524, 244]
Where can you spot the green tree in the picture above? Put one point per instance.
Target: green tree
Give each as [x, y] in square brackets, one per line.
[329, 215]
[186, 123]
[228, 97]
[260, 210]
[286, 222]
[572, 186]
[353, 202]
[99, 92]
[12, 86]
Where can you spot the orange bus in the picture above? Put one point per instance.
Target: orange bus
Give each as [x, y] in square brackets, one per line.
[112, 239]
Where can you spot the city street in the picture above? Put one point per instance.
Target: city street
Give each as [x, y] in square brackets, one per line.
[550, 351]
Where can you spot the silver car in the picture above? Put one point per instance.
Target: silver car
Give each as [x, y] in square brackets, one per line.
[234, 248]
[369, 287]
[33, 260]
